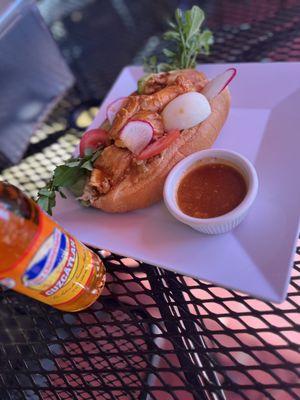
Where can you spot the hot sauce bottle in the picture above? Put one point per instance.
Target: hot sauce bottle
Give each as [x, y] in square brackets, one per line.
[40, 259]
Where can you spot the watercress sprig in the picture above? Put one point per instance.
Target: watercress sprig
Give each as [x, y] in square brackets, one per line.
[186, 40]
[72, 175]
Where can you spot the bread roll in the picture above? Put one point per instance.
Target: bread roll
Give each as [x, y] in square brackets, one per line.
[141, 188]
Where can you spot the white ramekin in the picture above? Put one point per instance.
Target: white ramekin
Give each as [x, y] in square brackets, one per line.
[223, 223]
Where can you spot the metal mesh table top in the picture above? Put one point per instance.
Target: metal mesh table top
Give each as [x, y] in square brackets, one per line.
[153, 334]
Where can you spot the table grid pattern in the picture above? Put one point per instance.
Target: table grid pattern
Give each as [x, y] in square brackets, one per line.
[153, 333]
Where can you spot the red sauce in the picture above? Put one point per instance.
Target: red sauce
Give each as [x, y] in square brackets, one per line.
[211, 190]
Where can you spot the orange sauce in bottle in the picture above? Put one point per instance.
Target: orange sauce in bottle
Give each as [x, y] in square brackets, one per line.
[41, 260]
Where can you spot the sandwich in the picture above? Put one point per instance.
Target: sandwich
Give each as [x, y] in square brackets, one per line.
[175, 111]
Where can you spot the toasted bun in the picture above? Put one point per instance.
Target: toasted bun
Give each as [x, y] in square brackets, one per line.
[142, 188]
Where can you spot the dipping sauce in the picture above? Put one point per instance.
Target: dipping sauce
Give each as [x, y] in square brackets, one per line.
[211, 190]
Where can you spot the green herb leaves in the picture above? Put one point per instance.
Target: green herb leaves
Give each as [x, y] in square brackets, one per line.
[71, 175]
[186, 39]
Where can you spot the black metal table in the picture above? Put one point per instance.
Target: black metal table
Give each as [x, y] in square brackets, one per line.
[153, 334]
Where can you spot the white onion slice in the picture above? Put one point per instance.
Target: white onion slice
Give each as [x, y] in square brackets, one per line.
[186, 111]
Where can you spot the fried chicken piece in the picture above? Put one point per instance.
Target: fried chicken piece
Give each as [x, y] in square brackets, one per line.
[157, 101]
[109, 169]
[157, 82]
[131, 106]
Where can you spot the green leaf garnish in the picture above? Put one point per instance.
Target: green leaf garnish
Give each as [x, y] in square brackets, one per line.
[186, 42]
[72, 175]
[87, 165]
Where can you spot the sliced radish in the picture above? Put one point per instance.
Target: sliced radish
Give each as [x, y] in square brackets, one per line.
[113, 108]
[159, 146]
[136, 135]
[219, 83]
[186, 111]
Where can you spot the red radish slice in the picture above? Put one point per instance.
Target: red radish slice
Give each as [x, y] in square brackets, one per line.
[161, 144]
[113, 108]
[219, 83]
[136, 135]
[92, 140]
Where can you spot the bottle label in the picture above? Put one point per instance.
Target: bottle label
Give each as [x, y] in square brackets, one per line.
[56, 269]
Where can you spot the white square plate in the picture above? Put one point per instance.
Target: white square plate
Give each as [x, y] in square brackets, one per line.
[256, 257]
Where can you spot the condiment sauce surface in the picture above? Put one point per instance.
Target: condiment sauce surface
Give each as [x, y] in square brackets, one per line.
[211, 190]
